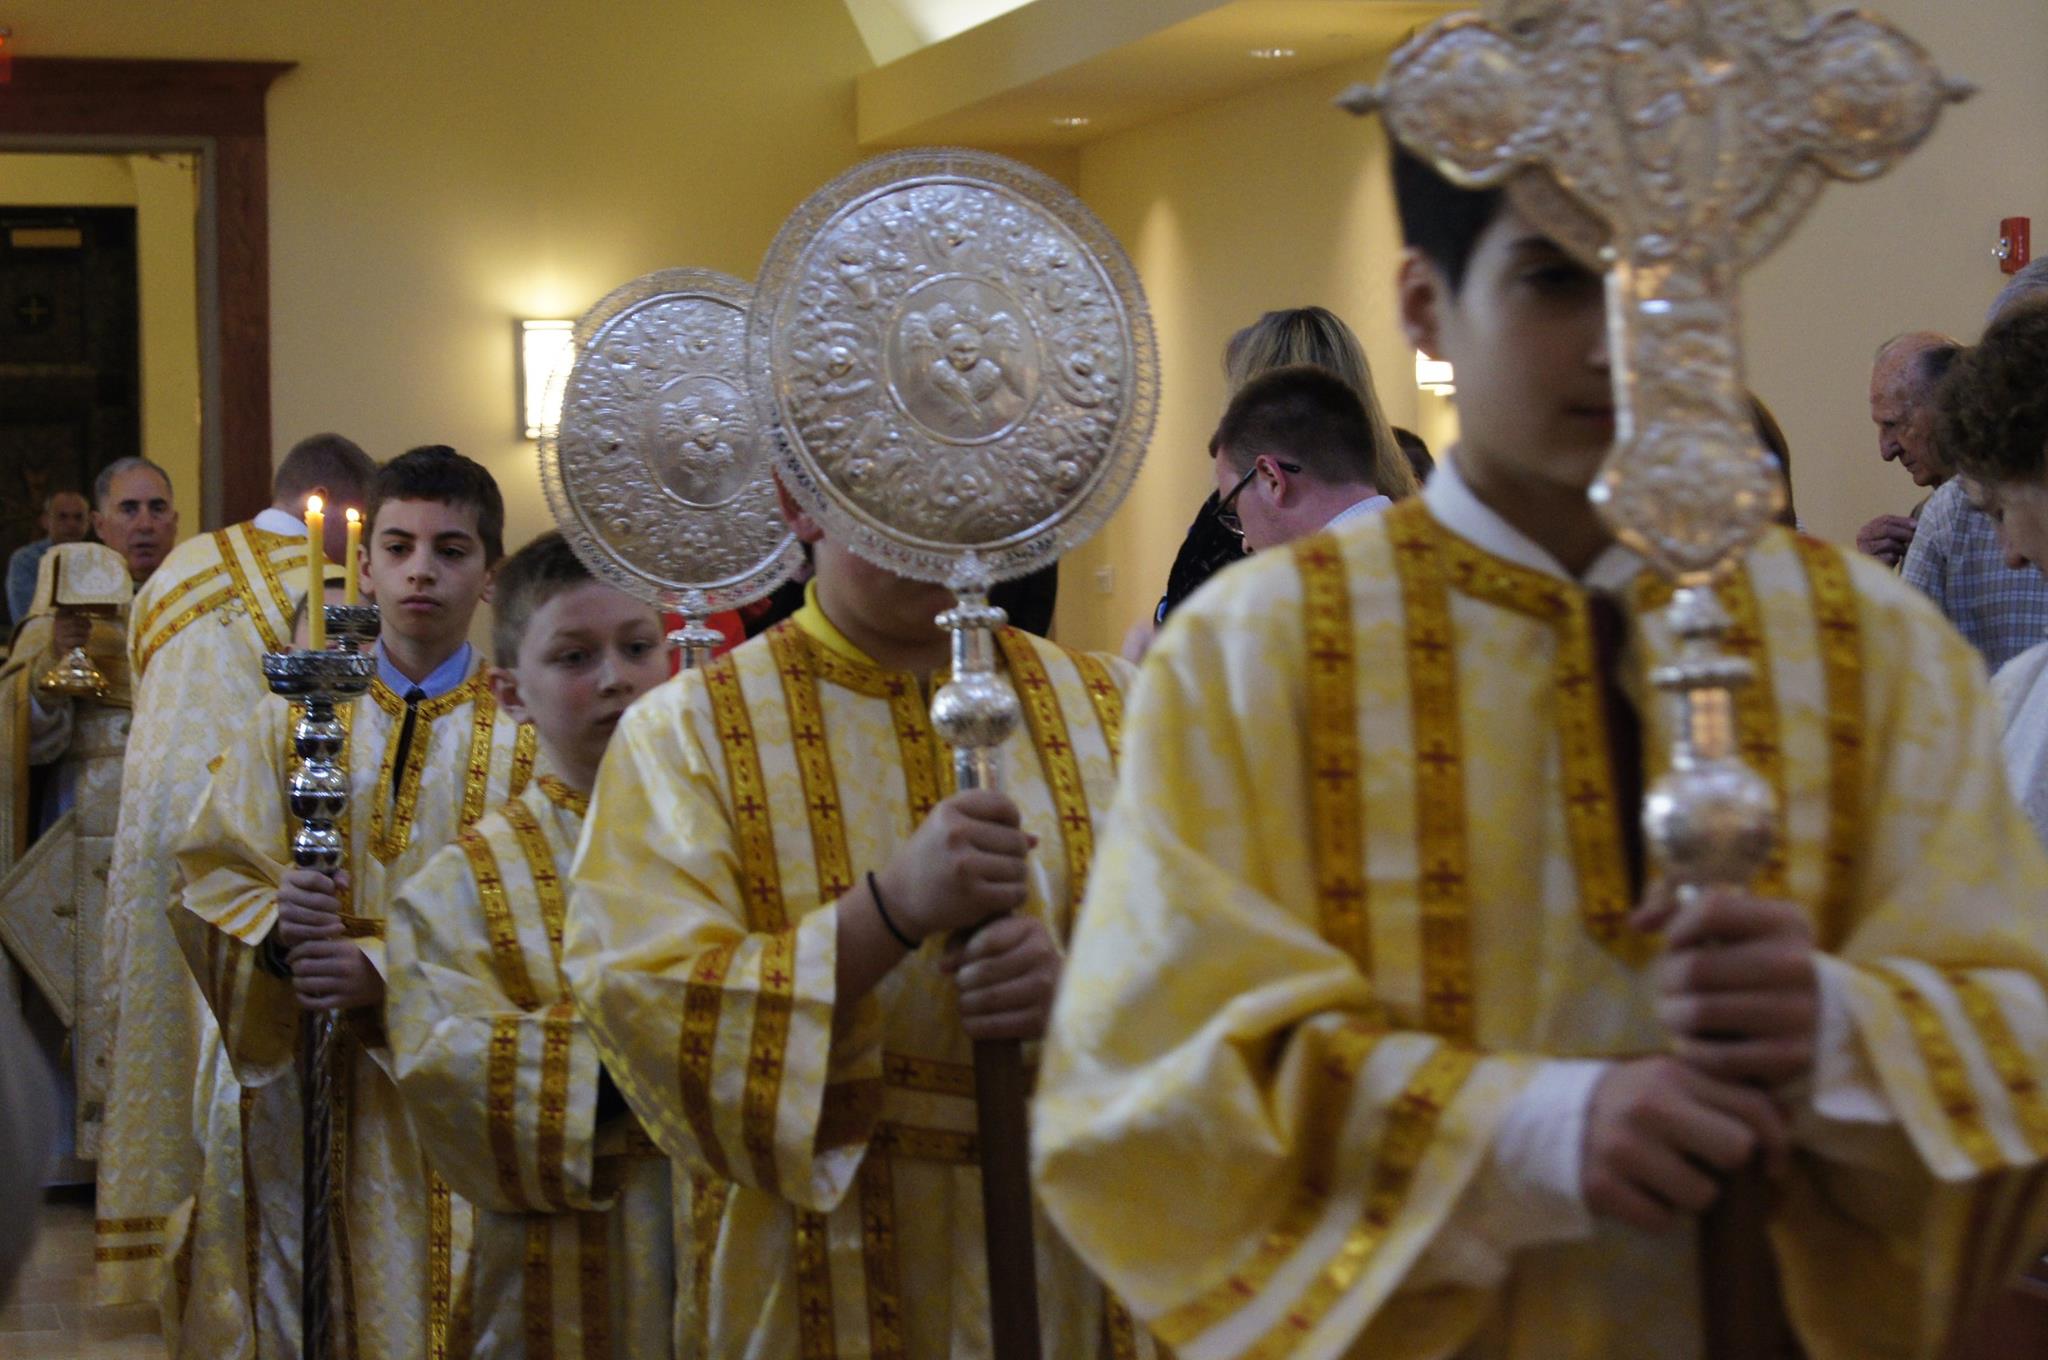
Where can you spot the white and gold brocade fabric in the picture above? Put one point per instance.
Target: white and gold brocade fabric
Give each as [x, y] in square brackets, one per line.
[402, 1237]
[198, 628]
[835, 1202]
[1365, 880]
[575, 1234]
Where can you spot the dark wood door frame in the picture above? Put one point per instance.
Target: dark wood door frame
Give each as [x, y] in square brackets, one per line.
[216, 108]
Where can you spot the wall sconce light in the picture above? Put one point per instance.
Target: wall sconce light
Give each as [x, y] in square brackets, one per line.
[1434, 375]
[545, 348]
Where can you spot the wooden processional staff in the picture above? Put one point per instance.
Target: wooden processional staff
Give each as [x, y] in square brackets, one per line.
[1672, 144]
[658, 474]
[958, 358]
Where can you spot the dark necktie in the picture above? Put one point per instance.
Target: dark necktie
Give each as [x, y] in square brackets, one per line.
[1624, 733]
[412, 713]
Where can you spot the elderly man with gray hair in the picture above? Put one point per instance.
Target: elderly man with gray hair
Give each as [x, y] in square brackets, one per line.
[1956, 557]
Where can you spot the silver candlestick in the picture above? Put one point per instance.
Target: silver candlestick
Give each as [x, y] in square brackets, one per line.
[317, 799]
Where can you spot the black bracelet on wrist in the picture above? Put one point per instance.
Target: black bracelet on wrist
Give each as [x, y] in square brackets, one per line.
[875, 891]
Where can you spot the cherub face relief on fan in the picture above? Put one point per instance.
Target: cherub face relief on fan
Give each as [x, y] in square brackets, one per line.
[658, 471]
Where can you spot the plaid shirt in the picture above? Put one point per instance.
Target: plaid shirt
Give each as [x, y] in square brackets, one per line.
[1957, 560]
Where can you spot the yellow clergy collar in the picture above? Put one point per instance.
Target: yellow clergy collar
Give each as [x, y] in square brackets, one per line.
[821, 630]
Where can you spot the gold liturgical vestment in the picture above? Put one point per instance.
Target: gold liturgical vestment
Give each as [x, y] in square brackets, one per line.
[53, 886]
[1366, 884]
[198, 629]
[402, 1238]
[835, 1204]
[575, 1234]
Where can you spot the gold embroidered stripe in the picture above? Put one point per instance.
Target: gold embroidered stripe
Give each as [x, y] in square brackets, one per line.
[878, 1259]
[263, 548]
[1592, 809]
[813, 1287]
[1107, 698]
[1053, 742]
[525, 749]
[140, 1252]
[196, 609]
[1445, 884]
[775, 986]
[557, 1029]
[814, 762]
[560, 794]
[273, 639]
[547, 884]
[501, 1108]
[593, 1270]
[928, 1074]
[440, 1265]
[170, 598]
[1329, 1110]
[924, 761]
[1411, 1127]
[1945, 1069]
[760, 876]
[1841, 654]
[707, 1213]
[537, 1295]
[703, 999]
[508, 958]
[1335, 817]
[2008, 1059]
[129, 1225]
[477, 787]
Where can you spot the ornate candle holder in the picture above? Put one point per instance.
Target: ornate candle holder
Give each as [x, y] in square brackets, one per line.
[696, 639]
[317, 799]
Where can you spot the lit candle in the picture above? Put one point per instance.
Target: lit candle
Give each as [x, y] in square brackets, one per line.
[351, 587]
[316, 587]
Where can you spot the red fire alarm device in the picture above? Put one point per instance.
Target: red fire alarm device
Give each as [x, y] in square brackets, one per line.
[2015, 244]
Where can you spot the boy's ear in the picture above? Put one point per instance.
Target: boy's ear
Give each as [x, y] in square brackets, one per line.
[505, 688]
[806, 529]
[491, 581]
[1423, 296]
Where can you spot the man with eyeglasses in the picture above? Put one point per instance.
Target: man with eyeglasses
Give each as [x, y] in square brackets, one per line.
[1293, 456]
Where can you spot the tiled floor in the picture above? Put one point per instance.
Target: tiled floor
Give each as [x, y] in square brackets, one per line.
[51, 1315]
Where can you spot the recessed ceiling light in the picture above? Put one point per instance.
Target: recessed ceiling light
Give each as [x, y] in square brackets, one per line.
[1272, 53]
[1070, 120]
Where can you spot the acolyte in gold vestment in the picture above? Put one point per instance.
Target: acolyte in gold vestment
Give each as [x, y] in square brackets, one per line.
[402, 1237]
[575, 1234]
[1364, 883]
[834, 1203]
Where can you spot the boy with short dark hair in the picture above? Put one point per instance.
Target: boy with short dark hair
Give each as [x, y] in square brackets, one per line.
[1423, 1065]
[574, 1236]
[429, 751]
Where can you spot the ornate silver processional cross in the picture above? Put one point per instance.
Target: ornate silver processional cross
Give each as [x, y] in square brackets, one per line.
[1674, 143]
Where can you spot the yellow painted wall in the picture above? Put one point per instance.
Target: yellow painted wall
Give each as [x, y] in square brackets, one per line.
[1271, 199]
[163, 190]
[437, 170]
[1274, 199]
